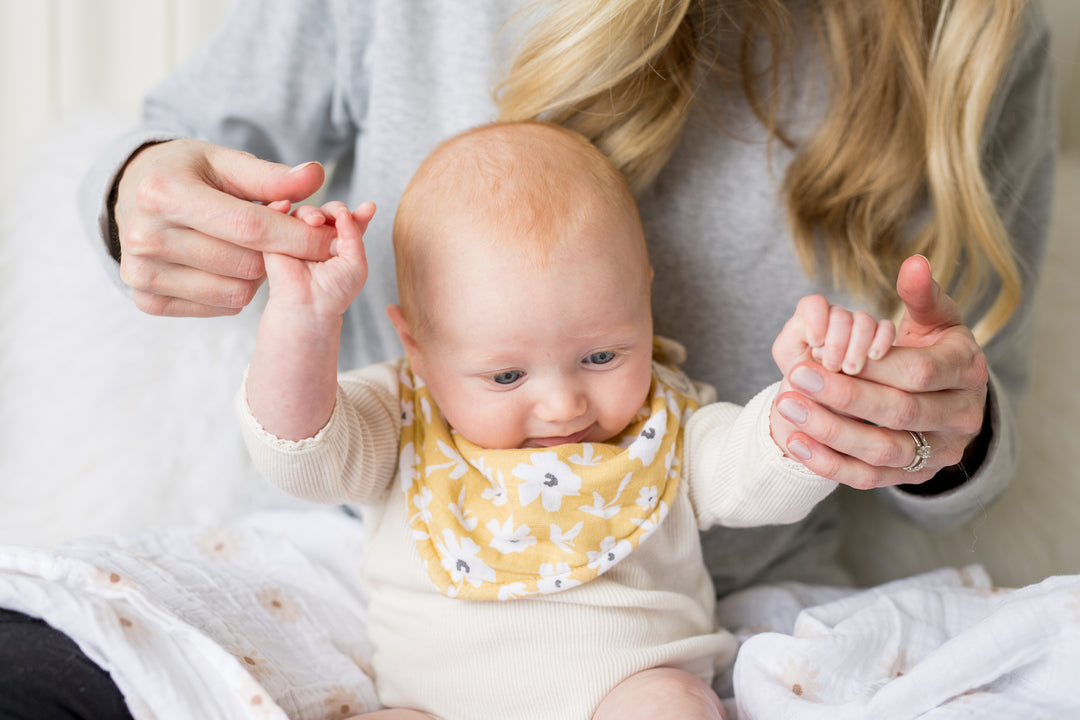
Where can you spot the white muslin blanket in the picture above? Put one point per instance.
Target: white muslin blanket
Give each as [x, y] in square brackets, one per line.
[264, 618]
[945, 644]
[261, 618]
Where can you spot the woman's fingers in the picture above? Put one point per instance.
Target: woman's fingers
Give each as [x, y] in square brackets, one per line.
[897, 447]
[212, 297]
[950, 410]
[161, 288]
[213, 213]
[183, 247]
[954, 362]
[165, 306]
[858, 454]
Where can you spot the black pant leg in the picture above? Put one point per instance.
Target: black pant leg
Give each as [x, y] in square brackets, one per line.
[45, 676]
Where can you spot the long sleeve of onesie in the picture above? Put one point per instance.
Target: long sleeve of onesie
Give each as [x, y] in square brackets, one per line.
[352, 459]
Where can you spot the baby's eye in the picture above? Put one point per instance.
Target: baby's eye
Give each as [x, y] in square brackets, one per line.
[601, 358]
[507, 378]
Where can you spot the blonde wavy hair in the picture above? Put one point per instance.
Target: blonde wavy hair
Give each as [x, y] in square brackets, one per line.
[910, 85]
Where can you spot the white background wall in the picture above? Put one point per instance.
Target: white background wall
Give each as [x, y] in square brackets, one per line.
[59, 56]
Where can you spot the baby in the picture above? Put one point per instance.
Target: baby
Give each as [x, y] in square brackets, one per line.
[537, 556]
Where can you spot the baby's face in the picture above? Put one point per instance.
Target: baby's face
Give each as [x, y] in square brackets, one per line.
[522, 356]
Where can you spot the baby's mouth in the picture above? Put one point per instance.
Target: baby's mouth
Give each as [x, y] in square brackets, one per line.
[577, 437]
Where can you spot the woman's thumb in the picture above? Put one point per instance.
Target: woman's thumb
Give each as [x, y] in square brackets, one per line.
[927, 307]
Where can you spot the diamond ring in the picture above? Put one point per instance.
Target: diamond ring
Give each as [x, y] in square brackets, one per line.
[922, 452]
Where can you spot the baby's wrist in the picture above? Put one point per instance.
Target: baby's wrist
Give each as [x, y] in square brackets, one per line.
[302, 320]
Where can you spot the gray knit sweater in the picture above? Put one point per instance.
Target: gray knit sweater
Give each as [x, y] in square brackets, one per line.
[370, 86]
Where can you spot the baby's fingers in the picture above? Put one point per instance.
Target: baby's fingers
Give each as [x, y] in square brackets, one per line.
[852, 339]
[884, 337]
[838, 337]
[804, 331]
[363, 214]
[860, 343]
[869, 340]
[813, 312]
[350, 228]
[311, 215]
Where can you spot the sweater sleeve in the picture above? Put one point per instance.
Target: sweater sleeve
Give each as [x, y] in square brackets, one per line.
[353, 458]
[278, 80]
[738, 476]
[1019, 150]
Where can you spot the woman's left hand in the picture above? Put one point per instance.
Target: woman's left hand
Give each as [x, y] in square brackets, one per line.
[854, 429]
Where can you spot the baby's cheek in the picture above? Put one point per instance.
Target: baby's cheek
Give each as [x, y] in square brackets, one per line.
[492, 425]
[629, 397]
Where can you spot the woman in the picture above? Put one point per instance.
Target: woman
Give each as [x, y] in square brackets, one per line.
[777, 149]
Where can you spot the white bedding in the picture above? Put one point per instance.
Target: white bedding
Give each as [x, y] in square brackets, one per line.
[263, 619]
[114, 422]
[944, 644]
[258, 619]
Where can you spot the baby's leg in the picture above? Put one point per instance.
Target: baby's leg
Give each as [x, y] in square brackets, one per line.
[660, 693]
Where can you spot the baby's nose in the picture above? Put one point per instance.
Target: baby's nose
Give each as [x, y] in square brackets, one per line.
[561, 402]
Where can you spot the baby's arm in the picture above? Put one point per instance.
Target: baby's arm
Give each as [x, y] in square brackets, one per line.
[837, 338]
[292, 379]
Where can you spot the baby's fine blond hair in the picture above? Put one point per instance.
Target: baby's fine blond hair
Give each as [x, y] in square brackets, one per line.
[528, 185]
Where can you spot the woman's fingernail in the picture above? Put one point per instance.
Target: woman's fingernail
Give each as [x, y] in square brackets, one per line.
[799, 449]
[807, 379]
[792, 410]
[300, 167]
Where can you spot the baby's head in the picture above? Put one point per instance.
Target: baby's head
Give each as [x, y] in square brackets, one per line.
[524, 284]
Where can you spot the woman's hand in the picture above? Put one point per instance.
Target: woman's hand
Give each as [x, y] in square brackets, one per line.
[854, 428]
[191, 237]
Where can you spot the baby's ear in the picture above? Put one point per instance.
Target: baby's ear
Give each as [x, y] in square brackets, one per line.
[401, 326]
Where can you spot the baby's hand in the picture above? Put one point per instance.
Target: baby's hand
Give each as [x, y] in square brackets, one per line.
[837, 338]
[330, 286]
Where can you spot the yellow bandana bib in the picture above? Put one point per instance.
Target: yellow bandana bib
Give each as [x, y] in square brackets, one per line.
[502, 524]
